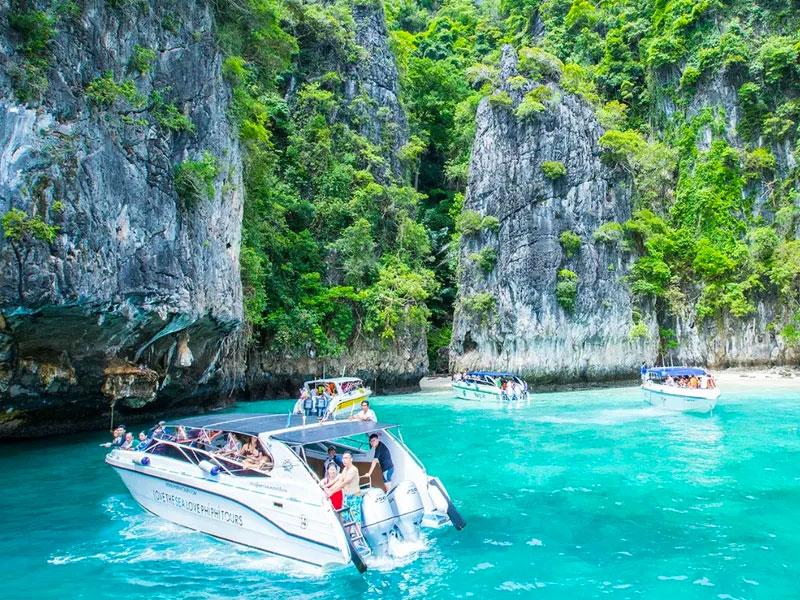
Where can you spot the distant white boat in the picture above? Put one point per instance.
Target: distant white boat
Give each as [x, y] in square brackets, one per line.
[337, 397]
[688, 389]
[489, 385]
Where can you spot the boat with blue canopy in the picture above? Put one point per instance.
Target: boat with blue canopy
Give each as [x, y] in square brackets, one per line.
[490, 385]
[688, 389]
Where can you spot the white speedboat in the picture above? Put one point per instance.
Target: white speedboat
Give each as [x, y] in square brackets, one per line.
[191, 474]
[490, 385]
[688, 389]
[337, 397]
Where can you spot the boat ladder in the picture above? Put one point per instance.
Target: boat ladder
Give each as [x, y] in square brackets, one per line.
[357, 538]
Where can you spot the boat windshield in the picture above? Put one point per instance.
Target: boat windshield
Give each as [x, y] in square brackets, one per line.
[234, 453]
[334, 387]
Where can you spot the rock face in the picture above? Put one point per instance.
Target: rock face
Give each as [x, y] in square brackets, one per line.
[509, 318]
[394, 368]
[727, 341]
[133, 303]
[371, 86]
[384, 122]
[734, 342]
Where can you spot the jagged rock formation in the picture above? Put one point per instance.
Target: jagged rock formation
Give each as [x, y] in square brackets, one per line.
[393, 367]
[133, 301]
[509, 318]
[385, 120]
[728, 341]
[372, 91]
[731, 341]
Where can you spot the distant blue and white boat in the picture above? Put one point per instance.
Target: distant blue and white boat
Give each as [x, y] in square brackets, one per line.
[689, 389]
[490, 385]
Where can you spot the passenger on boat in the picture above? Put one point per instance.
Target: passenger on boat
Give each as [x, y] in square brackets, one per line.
[119, 437]
[347, 481]
[333, 458]
[253, 458]
[232, 447]
[180, 435]
[141, 441]
[206, 438]
[331, 473]
[381, 456]
[366, 414]
[127, 442]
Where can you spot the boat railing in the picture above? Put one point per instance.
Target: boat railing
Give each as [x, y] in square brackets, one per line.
[195, 455]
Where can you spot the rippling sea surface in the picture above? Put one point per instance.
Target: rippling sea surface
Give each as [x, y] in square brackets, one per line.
[575, 495]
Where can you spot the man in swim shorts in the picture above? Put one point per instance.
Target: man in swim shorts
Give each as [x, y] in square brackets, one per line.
[347, 481]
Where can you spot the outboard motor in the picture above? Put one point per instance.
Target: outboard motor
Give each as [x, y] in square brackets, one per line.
[407, 506]
[378, 520]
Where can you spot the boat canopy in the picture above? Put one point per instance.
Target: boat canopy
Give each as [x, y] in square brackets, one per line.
[339, 380]
[245, 423]
[490, 374]
[330, 431]
[676, 371]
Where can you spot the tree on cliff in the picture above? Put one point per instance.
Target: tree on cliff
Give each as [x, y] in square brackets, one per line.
[22, 233]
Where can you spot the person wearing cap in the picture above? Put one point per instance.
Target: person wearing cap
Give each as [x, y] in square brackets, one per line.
[381, 456]
[119, 437]
[333, 458]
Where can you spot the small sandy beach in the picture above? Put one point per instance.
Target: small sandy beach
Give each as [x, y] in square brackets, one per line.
[766, 378]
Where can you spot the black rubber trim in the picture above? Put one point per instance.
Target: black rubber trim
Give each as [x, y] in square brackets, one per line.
[458, 522]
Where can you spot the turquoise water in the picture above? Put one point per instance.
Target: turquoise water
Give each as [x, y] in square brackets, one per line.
[578, 495]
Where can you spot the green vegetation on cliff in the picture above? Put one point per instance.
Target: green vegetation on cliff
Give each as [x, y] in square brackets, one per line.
[336, 241]
[352, 223]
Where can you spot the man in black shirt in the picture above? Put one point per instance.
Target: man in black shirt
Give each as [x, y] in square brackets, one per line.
[383, 458]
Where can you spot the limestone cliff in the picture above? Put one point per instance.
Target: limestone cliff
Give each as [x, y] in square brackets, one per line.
[508, 316]
[392, 367]
[131, 297]
[729, 341]
[372, 107]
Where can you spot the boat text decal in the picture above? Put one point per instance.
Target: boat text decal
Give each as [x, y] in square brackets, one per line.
[207, 510]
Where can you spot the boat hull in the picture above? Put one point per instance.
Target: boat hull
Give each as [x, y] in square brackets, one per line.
[680, 399]
[349, 405]
[248, 522]
[465, 391]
